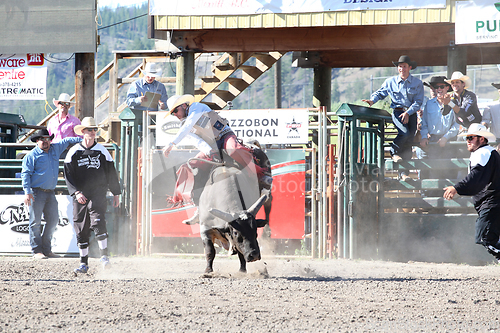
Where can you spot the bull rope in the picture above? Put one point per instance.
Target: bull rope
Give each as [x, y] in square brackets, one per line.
[203, 160]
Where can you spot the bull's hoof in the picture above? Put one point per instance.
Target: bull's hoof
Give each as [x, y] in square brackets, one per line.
[208, 270]
[242, 270]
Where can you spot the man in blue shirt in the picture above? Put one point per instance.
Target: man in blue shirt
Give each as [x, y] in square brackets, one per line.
[407, 95]
[136, 94]
[436, 127]
[39, 178]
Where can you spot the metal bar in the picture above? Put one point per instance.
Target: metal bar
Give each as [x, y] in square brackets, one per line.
[324, 185]
[318, 185]
[314, 213]
[340, 189]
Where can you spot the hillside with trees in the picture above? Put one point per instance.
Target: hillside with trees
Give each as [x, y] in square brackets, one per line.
[125, 28]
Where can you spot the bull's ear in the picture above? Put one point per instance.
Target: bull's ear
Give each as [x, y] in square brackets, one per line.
[260, 223]
[222, 215]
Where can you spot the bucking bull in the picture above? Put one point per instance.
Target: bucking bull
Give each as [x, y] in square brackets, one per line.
[228, 206]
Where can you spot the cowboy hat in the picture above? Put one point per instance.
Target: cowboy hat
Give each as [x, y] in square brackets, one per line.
[436, 80]
[65, 98]
[459, 76]
[87, 122]
[496, 85]
[151, 70]
[479, 130]
[40, 134]
[405, 59]
[177, 100]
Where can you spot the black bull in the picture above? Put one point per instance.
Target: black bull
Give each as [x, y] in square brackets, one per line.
[228, 206]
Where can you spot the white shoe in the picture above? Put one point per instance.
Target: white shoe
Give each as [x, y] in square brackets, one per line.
[194, 219]
[397, 158]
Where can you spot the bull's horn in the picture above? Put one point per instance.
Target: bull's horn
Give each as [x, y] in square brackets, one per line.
[256, 206]
[223, 215]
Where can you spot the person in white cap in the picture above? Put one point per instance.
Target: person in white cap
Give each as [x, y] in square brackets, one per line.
[212, 136]
[136, 94]
[89, 171]
[483, 184]
[491, 114]
[62, 124]
[462, 101]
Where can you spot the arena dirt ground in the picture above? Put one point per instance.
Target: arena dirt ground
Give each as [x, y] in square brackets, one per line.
[276, 295]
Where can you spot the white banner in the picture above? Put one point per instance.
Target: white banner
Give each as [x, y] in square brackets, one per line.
[23, 77]
[273, 126]
[14, 226]
[249, 7]
[477, 22]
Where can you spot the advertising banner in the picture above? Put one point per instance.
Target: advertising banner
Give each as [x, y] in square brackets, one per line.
[23, 77]
[272, 126]
[14, 226]
[477, 21]
[249, 7]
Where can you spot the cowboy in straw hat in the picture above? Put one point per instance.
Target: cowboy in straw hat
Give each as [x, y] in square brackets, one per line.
[211, 139]
[407, 95]
[62, 124]
[463, 102]
[87, 122]
[89, 171]
[483, 183]
[136, 95]
[39, 175]
[491, 114]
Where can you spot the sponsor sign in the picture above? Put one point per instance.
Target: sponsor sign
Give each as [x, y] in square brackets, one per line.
[477, 22]
[14, 226]
[248, 7]
[23, 77]
[273, 126]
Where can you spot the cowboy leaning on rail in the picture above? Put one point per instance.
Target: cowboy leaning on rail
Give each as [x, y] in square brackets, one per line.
[212, 135]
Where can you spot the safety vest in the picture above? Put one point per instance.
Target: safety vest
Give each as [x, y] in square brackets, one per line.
[211, 127]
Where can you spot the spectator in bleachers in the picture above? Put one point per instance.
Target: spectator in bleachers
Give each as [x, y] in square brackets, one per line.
[436, 127]
[462, 101]
[62, 124]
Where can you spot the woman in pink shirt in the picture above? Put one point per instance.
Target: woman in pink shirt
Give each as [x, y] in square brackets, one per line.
[62, 124]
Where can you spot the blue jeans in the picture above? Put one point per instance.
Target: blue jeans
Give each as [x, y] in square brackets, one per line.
[406, 132]
[41, 238]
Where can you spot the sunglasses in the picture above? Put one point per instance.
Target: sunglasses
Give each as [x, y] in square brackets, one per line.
[470, 137]
[64, 104]
[441, 86]
[91, 129]
[175, 110]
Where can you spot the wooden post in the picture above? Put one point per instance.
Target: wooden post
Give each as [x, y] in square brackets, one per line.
[322, 95]
[457, 59]
[185, 74]
[113, 86]
[84, 84]
[277, 84]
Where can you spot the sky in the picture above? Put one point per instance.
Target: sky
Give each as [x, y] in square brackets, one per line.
[115, 3]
